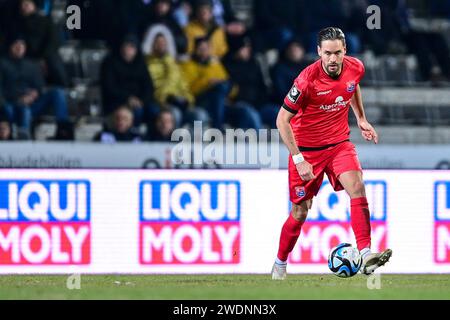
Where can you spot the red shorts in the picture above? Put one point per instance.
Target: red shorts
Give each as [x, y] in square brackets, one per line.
[333, 161]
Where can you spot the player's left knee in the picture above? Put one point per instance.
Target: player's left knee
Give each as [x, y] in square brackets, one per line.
[357, 190]
[300, 211]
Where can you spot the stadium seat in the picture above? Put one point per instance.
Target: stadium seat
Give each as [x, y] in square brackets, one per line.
[441, 115]
[91, 60]
[86, 131]
[375, 114]
[69, 53]
[45, 130]
[266, 61]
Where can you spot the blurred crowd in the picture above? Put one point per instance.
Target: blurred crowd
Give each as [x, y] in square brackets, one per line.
[173, 62]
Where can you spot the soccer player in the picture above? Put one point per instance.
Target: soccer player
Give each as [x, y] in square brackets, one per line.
[313, 123]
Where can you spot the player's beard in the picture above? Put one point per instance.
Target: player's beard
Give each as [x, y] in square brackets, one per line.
[334, 70]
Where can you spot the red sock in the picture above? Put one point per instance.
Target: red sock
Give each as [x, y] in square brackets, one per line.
[289, 235]
[360, 220]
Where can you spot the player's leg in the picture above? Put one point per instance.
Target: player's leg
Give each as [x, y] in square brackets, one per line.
[353, 184]
[301, 194]
[291, 229]
[344, 172]
[289, 236]
[359, 208]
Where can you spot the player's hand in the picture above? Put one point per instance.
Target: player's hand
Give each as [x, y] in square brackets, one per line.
[305, 170]
[367, 131]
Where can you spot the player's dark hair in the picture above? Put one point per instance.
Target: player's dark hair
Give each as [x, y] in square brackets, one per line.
[330, 33]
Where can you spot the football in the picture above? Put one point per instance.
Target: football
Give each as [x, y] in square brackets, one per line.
[344, 260]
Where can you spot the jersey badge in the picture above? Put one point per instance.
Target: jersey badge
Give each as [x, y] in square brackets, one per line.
[351, 86]
[294, 94]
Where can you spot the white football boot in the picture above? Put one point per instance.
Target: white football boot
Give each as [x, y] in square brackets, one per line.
[373, 261]
[279, 271]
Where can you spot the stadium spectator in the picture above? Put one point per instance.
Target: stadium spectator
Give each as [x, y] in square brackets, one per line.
[171, 89]
[389, 38]
[121, 128]
[338, 13]
[96, 21]
[356, 16]
[111, 20]
[5, 128]
[182, 12]
[276, 22]
[149, 40]
[430, 48]
[208, 81]
[42, 41]
[45, 6]
[203, 25]
[125, 80]
[65, 131]
[162, 128]
[122, 17]
[161, 12]
[248, 89]
[290, 63]
[23, 87]
[224, 16]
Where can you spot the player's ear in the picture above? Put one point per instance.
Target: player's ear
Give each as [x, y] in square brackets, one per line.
[319, 51]
[345, 50]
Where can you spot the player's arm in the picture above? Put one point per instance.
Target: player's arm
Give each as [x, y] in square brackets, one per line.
[304, 168]
[367, 131]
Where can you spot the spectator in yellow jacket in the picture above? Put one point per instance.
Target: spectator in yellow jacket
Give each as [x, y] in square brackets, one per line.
[171, 90]
[209, 82]
[203, 25]
[167, 79]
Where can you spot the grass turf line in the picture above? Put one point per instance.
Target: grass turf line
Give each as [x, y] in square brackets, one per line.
[225, 287]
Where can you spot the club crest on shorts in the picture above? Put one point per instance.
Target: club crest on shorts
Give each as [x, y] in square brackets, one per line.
[299, 191]
[294, 94]
[351, 86]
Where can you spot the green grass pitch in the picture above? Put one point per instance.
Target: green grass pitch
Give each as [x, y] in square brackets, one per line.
[224, 287]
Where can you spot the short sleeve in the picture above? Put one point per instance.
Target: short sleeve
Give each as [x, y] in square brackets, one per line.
[361, 70]
[296, 97]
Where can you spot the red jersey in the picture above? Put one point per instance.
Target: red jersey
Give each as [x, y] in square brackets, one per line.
[321, 103]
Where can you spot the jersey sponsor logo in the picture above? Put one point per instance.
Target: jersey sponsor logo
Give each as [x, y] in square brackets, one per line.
[338, 104]
[189, 222]
[322, 93]
[328, 223]
[45, 222]
[351, 86]
[442, 222]
[294, 94]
